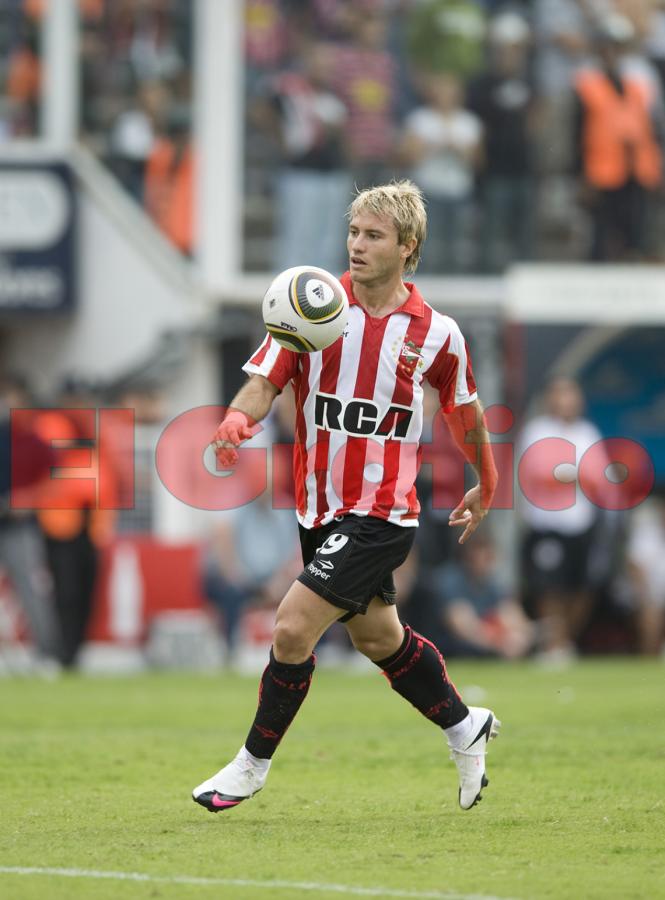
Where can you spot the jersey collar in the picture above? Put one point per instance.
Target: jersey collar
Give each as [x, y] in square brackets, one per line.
[414, 305]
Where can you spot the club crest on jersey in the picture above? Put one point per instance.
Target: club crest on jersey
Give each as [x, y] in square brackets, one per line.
[409, 355]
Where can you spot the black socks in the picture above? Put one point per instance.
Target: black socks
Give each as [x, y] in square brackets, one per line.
[418, 673]
[282, 690]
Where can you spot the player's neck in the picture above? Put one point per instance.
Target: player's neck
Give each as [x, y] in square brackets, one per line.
[380, 299]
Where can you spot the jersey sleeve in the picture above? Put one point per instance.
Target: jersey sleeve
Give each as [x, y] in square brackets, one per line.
[275, 363]
[451, 372]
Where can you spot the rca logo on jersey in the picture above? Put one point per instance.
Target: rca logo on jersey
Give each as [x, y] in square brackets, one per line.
[361, 417]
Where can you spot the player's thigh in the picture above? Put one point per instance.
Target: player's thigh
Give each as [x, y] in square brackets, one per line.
[379, 633]
[304, 613]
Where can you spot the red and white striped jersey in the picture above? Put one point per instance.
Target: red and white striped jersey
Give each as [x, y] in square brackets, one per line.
[359, 408]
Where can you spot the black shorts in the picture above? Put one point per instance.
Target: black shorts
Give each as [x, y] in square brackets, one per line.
[350, 561]
[556, 561]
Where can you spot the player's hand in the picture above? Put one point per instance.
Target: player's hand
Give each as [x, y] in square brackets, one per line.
[233, 430]
[468, 514]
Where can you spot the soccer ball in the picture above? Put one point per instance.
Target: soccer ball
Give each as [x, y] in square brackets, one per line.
[305, 309]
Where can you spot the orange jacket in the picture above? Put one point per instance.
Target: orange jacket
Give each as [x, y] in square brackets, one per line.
[66, 506]
[618, 141]
[169, 191]
[23, 76]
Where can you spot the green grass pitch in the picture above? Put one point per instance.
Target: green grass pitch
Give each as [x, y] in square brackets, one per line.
[95, 774]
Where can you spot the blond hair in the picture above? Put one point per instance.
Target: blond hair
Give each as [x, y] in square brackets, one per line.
[403, 201]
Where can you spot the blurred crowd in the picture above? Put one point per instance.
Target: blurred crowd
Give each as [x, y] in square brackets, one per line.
[587, 579]
[135, 73]
[535, 127]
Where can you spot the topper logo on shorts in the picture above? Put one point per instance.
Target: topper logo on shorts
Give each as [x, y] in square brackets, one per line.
[361, 417]
[318, 572]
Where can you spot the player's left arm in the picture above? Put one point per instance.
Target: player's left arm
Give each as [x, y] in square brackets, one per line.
[467, 427]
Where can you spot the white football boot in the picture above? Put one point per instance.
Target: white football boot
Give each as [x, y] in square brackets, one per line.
[243, 777]
[470, 757]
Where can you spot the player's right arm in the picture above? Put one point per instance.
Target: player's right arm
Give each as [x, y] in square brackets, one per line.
[251, 404]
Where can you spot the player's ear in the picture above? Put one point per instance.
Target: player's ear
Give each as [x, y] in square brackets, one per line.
[408, 247]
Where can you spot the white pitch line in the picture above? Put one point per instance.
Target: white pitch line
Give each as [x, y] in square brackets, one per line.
[352, 890]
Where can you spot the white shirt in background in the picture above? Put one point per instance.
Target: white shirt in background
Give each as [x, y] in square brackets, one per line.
[582, 434]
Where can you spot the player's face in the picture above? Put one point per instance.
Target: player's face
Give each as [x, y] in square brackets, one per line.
[375, 254]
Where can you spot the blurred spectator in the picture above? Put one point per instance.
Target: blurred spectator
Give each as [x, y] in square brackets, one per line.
[363, 74]
[23, 81]
[266, 35]
[447, 36]
[25, 462]
[133, 135]
[503, 98]
[559, 516]
[646, 568]
[155, 50]
[475, 616]
[253, 553]
[562, 30]
[74, 525]
[620, 156]
[442, 145]
[440, 484]
[133, 455]
[312, 179]
[169, 183]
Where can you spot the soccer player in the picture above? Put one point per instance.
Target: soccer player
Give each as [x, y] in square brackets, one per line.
[359, 408]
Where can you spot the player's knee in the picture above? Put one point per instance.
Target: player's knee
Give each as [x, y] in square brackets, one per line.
[291, 641]
[374, 647]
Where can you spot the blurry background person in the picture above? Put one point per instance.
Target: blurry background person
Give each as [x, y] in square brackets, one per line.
[441, 146]
[364, 76]
[562, 37]
[559, 527]
[503, 98]
[619, 143]
[252, 553]
[440, 481]
[475, 615]
[74, 524]
[23, 78]
[561, 33]
[133, 135]
[132, 453]
[25, 461]
[309, 120]
[169, 181]
[645, 555]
